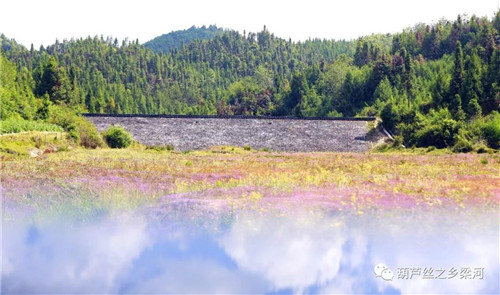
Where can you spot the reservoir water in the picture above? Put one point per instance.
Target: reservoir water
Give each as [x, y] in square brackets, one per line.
[303, 252]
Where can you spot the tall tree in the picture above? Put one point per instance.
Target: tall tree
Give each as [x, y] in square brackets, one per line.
[458, 72]
[473, 86]
[408, 76]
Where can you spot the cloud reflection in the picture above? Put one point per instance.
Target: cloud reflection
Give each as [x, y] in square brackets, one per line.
[71, 259]
[290, 253]
[255, 254]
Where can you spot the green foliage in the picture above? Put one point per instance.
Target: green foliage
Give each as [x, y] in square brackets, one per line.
[458, 72]
[53, 81]
[117, 137]
[43, 112]
[389, 117]
[15, 125]
[491, 130]
[246, 97]
[89, 137]
[462, 144]
[82, 131]
[437, 129]
[334, 114]
[473, 108]
[17, 99]
[473, 87]
[175, 40]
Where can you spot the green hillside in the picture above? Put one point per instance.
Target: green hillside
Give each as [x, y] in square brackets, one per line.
[176, 39]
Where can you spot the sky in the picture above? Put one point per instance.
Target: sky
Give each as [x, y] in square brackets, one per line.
[41, 22]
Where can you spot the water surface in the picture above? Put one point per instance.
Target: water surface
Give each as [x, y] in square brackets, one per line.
[304, 252]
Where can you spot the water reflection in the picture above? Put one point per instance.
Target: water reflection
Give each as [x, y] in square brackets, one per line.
[254, 254]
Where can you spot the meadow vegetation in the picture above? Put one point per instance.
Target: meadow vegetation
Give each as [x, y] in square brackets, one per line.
[228, 179]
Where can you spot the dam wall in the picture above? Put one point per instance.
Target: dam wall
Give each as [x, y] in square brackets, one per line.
[274, 133]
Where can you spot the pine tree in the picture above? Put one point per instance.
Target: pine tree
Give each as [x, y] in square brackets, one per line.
[473, 87]
[473, 108]
[492, 85]
[408, 76]
[458, 72]
[456, 108]
[298, 89]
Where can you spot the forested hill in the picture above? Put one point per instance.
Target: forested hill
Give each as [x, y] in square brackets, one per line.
[104, 75]
[165, 43]
[431, 84]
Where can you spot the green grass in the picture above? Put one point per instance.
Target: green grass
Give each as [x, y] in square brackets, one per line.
[13, 125]
[20, 144]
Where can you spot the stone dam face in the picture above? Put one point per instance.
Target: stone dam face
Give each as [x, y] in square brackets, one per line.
[295, 135]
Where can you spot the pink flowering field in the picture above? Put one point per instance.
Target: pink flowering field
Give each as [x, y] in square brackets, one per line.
[227, 180]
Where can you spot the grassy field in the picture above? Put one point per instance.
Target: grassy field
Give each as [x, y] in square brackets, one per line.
[224, 180]
[33, 143]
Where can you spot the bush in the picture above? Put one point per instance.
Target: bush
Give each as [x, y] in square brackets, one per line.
[89, 136]
[247, 148]
[389, 117]
[481, 148]
[437, 129]
[117, 137]
[491, 130]
[464, 140]
[82, 131]
[462, 145]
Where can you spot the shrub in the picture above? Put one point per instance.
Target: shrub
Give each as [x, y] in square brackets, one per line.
[89, 136]
[334, 113]
[481, 148]
[491, 130]
[462, 146]
[389, 117]
[73, 133]
[438, 129]
[82, 131]
[117, 137]
[398, 142]
[430, 149]
[247, 147]
[464, 140]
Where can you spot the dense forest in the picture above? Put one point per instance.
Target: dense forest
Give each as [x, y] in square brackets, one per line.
[175, 40]
[432, 85]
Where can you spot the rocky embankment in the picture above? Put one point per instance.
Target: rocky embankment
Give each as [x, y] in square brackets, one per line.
[191, 133]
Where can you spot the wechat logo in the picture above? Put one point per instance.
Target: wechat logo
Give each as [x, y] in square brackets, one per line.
[382, 271]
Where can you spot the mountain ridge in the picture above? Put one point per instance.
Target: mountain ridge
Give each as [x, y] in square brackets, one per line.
[176, 39]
